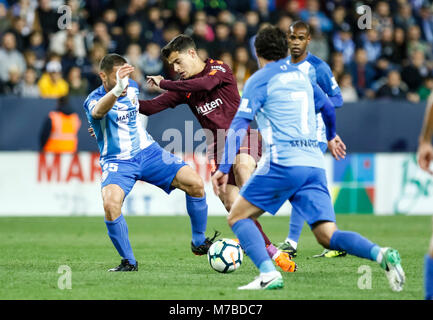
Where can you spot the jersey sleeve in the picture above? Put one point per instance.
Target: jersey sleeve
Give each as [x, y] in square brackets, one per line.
[253, 98]
[326, 81]
[215, 77]
[325, 106]
[169, 99]
[90, 104]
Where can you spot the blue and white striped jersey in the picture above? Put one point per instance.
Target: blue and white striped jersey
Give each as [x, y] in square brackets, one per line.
[120, 133]
[320, 73]
[282, 99]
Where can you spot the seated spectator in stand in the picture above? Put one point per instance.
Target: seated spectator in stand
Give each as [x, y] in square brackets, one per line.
[372, 45]
[415, 43]
[223, 40]
[348, 91]
[313, 10]
[337, 65]
[28, 87]
[342, 42]
[227, 58]
[5, 23]
[11, 86]
[51, 84]
[394, 87]
[404, 18]
[243, 67]
[425, 21]
[37, 46]
[426, 89]
[318, 44]
[363, 73]
[415, 73]
[382, 16]
[150, 62]
[78, 86]
[10, 56]
[58, 42]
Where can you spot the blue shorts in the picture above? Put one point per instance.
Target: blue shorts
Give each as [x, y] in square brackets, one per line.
[153, 165]
[305, 188]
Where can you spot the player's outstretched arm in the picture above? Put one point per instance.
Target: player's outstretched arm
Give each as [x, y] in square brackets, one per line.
[205, 83]
[169, 99]
[425, 148]
[107, 102]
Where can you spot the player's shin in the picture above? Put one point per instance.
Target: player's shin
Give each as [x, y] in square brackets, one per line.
[118, 233]
[253, 244]
[428, 277]
[197, 210]
[354, 244]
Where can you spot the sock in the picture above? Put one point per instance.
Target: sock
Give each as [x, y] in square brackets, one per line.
[197, 211]
[265, 237]
[253, 243]
[353, 243]
[295, 228]
[428, 277]
[272, 251]
[376, 254]
[266, 266]
[118, 233]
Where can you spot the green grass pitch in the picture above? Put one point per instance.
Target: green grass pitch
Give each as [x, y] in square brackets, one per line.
[33, 248]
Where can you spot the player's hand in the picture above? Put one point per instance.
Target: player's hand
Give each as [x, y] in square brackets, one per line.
[91, 132]
[154, 80]
[122, 77]
[425, 156]
[219, 180]
[337, 148]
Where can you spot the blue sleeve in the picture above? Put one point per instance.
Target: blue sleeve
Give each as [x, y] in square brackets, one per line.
[326, 81]
[235, 136]
[253, 98]
[325, 106]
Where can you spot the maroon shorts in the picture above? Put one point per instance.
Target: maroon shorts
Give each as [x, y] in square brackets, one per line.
[251, 145]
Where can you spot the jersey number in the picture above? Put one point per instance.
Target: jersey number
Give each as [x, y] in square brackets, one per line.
[303, 98]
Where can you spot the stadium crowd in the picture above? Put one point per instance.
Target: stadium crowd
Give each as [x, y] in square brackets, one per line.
[40, 58]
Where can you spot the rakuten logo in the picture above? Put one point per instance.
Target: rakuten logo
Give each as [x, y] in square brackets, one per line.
[208, 107]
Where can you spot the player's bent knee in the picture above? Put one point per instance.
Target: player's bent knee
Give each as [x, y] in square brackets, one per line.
[196, 189]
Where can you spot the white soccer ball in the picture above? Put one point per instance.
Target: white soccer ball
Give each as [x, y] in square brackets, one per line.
[225, 255]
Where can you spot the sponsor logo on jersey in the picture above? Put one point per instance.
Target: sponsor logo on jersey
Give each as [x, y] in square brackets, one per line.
[208, 107]
[127, 116]
[220, 68]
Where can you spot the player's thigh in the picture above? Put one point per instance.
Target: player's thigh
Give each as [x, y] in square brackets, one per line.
[243, 209]
[229, 196]
[243, 168]
[188, 180]
[112, 197]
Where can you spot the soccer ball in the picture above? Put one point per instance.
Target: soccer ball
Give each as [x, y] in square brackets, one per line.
[225, 255]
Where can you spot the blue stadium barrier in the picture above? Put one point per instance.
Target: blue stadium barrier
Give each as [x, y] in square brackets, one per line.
[369, 126]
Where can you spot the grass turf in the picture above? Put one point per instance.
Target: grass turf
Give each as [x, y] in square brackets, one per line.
[33, 248]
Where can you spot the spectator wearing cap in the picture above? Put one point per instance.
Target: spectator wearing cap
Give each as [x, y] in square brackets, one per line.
[51, 84]
[10, 57]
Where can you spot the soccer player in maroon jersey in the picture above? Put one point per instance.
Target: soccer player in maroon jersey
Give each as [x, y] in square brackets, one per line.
[210, 90]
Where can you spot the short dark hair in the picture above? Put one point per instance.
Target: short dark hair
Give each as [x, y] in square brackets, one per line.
[300, 25]
[271, 44]
[110, 60]
[180, 43]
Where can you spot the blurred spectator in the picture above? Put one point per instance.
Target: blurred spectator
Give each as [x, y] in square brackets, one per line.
[243, 68]
[5, 23]
[426, 89]
[425, 22]
[404, 18]
[136, 10]
[59, 39]
[150, 61]
[59, 130]
[182, 17]
[133, 54]
[252, 19]
[415, 73]
[37, 45]
[154, 31]
[337, 65]
[10, 57]
[46, 19]
[227, 58]
[110, 18]
[382, 16]
[318, 44]
[100, 35]
[394, 87]
[265, 10]
[134, 34]
[51, 84]
[11, 86]
[400, 53]
[78, 86]
[362, 73]
[313, 10]
[28, 87]
[348, 91]
[239, 32]
[223, 41]
[343, 42]
[18, 25]
[372, 45]
[414, 42]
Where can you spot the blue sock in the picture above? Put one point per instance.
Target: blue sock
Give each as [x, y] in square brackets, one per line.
[197, 211]
[252, 242]
[428, 277]
[118, 233]
[374, 252]
[296, 224]
[353, 243]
